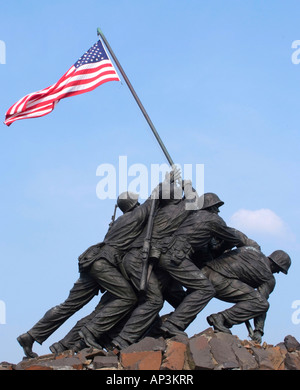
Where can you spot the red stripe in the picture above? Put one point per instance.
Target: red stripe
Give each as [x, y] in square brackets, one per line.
[70, 84]
[35, 110]
[38, 94]
[25, 112]
[20, 102]
[72, 93]
[80, 81]
[67, 94]
[26, 116]
[89, 80]
[92, 70]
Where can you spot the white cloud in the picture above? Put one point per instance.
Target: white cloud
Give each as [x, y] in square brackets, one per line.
[259, 221]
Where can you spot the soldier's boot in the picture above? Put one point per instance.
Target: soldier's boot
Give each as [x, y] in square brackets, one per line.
[89, 338]
[217, 321]
[119, 343]
[26, 341]
[81, 344]
[57, 348]
[171, 330]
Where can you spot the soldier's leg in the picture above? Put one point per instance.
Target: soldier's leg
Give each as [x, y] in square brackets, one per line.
[82, 292]
[173, 291]
[72, 338]
[201, 291]
[149, 304]
[122, 293]
[249, 303]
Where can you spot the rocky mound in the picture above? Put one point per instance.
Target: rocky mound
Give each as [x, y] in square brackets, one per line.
[204, 351]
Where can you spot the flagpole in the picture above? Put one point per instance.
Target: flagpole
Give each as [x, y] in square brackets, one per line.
[164, 149]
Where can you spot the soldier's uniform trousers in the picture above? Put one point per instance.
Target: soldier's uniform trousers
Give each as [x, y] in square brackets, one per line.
[249, 303]
[200, 289]
[100, 276]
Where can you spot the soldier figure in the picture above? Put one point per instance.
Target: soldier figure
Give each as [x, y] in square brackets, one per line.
[244, 276]
[172, 212]
[98, 267]
[194, 235]
[190, 248]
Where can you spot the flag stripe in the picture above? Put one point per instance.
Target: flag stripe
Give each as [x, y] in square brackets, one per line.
[42, 106]
[31, 114]
[91, 70]
[82, 78]
[72, 86]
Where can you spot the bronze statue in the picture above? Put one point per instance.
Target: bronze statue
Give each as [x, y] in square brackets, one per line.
[194, 235]
[190, 260]
[244, 276]
[160, 286]
[98, 271]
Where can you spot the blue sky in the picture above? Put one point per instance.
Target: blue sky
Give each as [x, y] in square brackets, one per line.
[218, 82]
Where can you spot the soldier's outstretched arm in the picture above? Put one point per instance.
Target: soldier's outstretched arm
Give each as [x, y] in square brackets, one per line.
[246, 240]
[231, 236]
[228, 234]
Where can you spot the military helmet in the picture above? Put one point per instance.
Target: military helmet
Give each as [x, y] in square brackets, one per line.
[209, 199]
[282, 259]
[127, 200]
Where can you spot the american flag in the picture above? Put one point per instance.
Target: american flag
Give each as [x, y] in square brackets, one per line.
[91, 70]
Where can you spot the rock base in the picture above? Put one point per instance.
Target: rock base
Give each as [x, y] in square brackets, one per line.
[204, 351]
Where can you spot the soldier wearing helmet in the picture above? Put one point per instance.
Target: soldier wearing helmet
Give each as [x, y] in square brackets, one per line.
[244, 276]
[210, 201]
[119, 239]
[127, 201]
[194, 235]
[280, 261]
[98, 268]
[172, 211]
